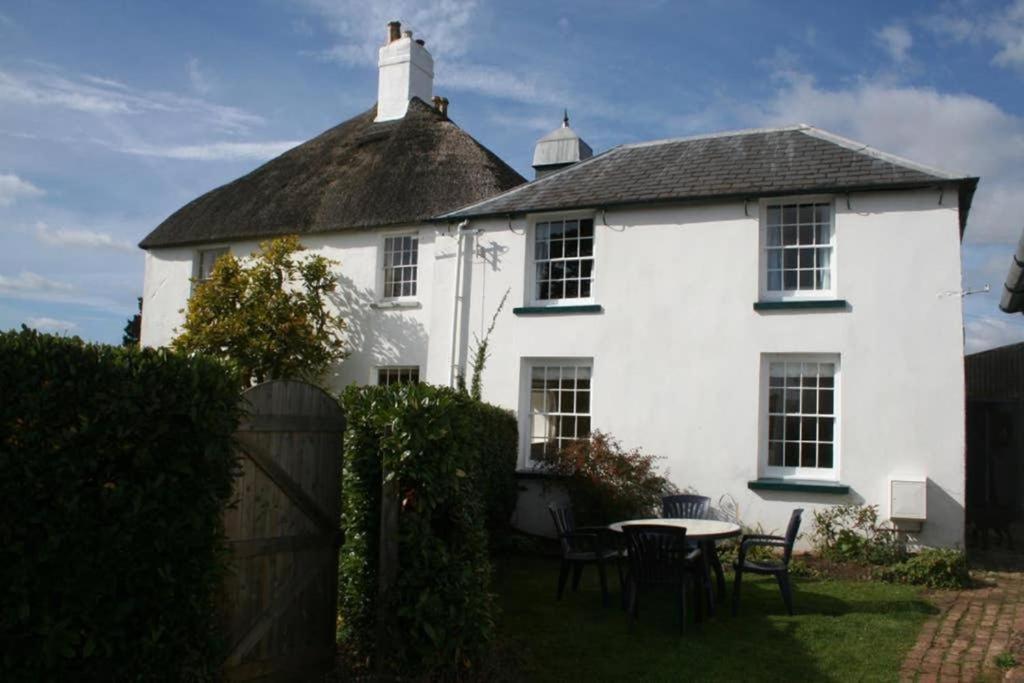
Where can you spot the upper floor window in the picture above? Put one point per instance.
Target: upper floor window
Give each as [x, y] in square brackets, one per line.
[802, 414]
[401, 258]
[798, 249]
[563, 260]
[205, 259]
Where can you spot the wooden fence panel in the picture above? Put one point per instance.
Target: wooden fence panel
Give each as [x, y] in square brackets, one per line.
[283, 533]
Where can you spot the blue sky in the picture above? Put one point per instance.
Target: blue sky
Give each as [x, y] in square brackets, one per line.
[114, 114]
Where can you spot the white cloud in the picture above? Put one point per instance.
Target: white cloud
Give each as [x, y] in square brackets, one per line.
[956, 132]
[27, 282]
[215, 151]
[80, 238]
[987, 332]
[1002, 29]
[51, 88]
[360, 26]
[44, 324]
[201, 81]
[896, 40]
[13, 188]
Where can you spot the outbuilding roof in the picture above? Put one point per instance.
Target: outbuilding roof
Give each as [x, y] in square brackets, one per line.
[741, 164]
[359, 174]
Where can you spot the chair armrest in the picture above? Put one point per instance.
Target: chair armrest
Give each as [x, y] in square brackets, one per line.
[764, 540]
[588, 541]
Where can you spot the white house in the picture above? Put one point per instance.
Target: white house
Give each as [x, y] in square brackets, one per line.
[776, 312]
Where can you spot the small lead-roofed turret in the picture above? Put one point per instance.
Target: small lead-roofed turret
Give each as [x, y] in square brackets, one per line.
[560, 148]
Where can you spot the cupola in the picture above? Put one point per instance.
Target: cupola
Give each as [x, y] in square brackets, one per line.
[560, 148]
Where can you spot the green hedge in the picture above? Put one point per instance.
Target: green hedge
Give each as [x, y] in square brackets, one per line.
[499, 453]
[115, 465]
[446, 451]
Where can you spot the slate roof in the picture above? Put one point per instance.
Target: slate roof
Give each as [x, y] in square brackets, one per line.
[359, 174]
[743, 164]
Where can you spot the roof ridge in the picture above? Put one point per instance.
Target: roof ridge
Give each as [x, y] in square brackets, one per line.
[720, 134]
[868, 150]
[535, 181]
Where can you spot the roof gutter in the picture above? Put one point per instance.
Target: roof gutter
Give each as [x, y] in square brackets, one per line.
[966, 188]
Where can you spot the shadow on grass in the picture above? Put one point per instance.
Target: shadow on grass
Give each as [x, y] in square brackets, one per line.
[842, 631]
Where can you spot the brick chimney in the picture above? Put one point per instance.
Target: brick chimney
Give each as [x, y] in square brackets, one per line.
[406, 71]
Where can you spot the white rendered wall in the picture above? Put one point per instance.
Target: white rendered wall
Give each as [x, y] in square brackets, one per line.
[677, 350]
[377, 333]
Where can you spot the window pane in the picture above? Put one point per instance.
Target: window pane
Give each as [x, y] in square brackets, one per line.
[774, 236]
[806, 212]
[572, 289]
[775, 454]
[825, 455]
[585, 289]
[825, 406]
[789, 214]
[792, 450]
[807, 455]
[774, 215]
[587, 227]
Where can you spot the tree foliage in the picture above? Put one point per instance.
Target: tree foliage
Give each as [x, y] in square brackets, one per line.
[133, 329]
[267, 314]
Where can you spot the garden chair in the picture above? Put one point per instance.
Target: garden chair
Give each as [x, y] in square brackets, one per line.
[660, 556]
[689, 506]
[685, 506]
[582, 546]
[777, 568]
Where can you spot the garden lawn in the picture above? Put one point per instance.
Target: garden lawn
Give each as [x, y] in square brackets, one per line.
[842, 631]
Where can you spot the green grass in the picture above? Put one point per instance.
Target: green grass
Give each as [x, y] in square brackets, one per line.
[842, 631]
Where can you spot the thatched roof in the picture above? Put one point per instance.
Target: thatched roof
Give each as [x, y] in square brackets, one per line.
[359, 174]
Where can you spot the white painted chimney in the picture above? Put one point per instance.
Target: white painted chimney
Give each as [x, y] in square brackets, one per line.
[406, 71]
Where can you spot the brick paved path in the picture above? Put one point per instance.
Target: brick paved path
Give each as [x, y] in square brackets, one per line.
[972, 628]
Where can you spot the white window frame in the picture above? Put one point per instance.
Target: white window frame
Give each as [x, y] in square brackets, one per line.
[381, 276]
[796, 295]
[820, 473]
[197, 260]
[530, 285]
[527, 366]
[377, 370]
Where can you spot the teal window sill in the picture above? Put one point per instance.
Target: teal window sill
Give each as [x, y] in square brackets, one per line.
[557, 310]
[801, 485]
[833, 304]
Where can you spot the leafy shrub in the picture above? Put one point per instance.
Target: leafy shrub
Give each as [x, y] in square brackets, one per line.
[499, 452]
[605, 482]
[851, 533]
[932, 567]
[445, 452]
[115, 466]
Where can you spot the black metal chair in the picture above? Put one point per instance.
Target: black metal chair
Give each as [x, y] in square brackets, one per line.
[582, 546]
[779, 568]
[685, 506]
[660, 556]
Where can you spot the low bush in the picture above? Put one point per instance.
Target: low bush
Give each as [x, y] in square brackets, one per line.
[606, 482]
[499, 452]
[115, 467]
[933, 567]
[851, 533]
[446, 454]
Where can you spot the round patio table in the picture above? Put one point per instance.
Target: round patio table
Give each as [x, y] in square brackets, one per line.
[703, 531]
[696, 529]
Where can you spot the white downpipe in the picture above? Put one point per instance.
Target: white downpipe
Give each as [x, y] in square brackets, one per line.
[452, 370]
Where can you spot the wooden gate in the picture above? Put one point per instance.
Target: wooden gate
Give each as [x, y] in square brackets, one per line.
[283, 533]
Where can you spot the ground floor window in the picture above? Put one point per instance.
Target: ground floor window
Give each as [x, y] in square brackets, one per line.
[801, 413]
[559, 404]
[398, 375]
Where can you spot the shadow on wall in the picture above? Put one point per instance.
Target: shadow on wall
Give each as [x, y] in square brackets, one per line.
[944, 526]
[728, 508]
[378, 336]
